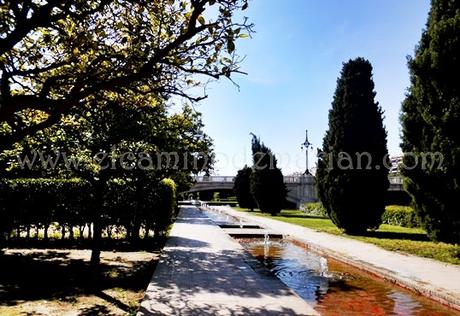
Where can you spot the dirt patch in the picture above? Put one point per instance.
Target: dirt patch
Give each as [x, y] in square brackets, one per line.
[61, 282]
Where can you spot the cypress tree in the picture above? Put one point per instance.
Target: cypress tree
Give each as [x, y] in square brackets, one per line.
[242, 189]
[352, 173]
[431, 124]
[267, 182]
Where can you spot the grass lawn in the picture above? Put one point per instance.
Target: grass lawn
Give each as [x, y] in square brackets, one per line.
[61, 281]
[394, 238]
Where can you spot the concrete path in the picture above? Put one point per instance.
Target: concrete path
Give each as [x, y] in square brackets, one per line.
[438, 280]
[205, 272]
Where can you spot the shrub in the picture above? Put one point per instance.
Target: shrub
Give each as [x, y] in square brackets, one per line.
[404, 216]
[165, 206]
[26, 203]
[314, 209]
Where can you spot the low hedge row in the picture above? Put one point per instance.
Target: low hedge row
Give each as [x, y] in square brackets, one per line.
[394, 214]
[400, 216]
[74, 203]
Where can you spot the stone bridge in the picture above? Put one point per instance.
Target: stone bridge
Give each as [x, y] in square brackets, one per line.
[301, 189]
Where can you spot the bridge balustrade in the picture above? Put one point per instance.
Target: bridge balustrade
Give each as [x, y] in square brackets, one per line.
[292, 179]
[229, 179]
[287, 179]
[214, 179]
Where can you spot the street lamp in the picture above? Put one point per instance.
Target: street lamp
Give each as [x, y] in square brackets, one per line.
[306, 144]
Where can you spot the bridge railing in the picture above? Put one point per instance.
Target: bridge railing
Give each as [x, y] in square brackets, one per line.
[292, 179]
[287, 179]
[214, 179]
[229, 179]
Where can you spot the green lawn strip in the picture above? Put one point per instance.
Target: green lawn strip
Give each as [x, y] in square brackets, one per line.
[395, 238]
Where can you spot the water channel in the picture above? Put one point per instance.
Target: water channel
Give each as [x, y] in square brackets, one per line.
[330, 286]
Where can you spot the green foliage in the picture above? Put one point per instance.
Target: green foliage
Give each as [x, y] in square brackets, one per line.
[96, 143]
[242, 188]
[41, 202]
[314, 209]
[216, 196]
[165, 205]
[56, 57]
[120, 205]
[431, 124]
[355, 128]
[267, 182]
[403, 216]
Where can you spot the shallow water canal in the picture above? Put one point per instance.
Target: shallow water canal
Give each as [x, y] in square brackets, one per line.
[334, 288]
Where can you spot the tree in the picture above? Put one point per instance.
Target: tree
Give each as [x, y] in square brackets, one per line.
[176, 144]
[267, 182]
[352, 175]
[56, 56]
[242, 188]
[431, 124]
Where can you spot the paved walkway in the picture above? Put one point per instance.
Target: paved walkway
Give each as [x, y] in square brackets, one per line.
[205, 272]
[439, 280]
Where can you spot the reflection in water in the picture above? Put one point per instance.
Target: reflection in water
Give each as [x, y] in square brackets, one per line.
[223, 218]
[334, 288]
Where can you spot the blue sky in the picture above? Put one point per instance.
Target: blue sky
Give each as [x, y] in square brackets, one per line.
[293, 61]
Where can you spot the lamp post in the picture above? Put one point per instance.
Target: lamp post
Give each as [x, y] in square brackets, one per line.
[306, 144]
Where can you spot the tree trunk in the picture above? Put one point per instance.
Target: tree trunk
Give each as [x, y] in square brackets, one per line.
[99, 187]
[2, 240]
[135, 234]
[147, 230]
[45, 233]
[63, 231]
[81, 228]
[97, 240]
[71, 236]
[109, 231]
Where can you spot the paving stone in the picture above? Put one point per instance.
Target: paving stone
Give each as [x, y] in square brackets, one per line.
[203, 271]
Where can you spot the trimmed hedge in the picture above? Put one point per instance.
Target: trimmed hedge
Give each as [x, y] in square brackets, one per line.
[394, 214]
[41, 202]
[26, 203]
[166, 205]
[400, 216]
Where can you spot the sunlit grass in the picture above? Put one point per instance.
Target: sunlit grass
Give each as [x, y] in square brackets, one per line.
[395, 238]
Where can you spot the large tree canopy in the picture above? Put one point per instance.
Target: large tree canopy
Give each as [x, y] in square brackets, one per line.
[431, 124]
[58, 55]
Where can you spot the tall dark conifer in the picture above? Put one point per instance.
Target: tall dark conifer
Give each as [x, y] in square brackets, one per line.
[267, 182]
[431, 124]
[242, 188]
[352, 175]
